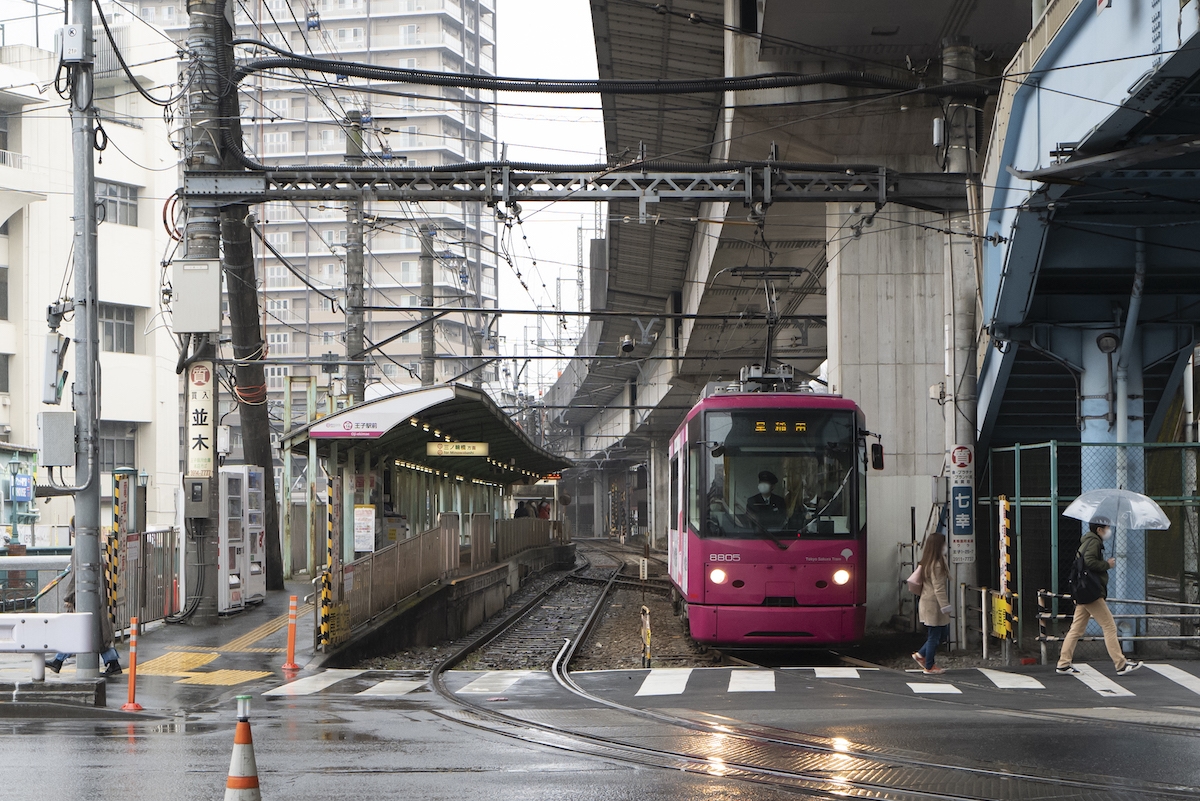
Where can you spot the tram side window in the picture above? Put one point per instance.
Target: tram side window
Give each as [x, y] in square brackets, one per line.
[862, 486]
[674, 491]
[694, 486]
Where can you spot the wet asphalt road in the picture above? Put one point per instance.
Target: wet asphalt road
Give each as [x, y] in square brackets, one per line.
[334, 743]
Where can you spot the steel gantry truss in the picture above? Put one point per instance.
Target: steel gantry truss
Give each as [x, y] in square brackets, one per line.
[502, 185]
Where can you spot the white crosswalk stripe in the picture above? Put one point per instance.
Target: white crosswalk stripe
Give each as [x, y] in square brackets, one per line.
[313, 684]
[496, 681]
[1012, 681]
[665, 681]
[752, 681]
[1100, 683]
[392, 688]
[933, 688]
[1177, 675]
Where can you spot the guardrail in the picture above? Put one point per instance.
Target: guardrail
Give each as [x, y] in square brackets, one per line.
[523, 533]
[1187, 622]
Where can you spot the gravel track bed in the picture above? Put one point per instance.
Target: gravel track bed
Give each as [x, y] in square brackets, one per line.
[532, 643]
[616, 642]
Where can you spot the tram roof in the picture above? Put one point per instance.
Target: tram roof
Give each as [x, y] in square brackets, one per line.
[776, 400]
[399, 427]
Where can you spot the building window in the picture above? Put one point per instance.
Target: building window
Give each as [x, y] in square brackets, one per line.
[4, 360]
[280, 240]
[279, 142]
[280, 309]
[120, 202]
[278, 277]
[116, 328]
[118, 445]
[409, 272]
[168, 14]
[148, 13]
[328, 338]
[324, 304]
[389, 370]
[3, 293]
[349, 35]
[276, 376]
[279, 344]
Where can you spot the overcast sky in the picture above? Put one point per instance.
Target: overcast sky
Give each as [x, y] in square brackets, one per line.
[535, 39]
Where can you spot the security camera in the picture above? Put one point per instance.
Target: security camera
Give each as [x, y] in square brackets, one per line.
[626, 344]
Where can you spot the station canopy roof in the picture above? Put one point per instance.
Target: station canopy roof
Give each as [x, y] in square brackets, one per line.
[401, 426]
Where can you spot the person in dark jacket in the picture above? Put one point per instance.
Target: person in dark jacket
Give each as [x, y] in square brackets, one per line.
[112, 665]
[1092, 548]
[522, 510]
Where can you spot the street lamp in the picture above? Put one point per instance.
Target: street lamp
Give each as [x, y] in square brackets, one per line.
[143, 478]
[14, 467]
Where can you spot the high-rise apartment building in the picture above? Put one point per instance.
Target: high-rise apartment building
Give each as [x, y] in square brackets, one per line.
[291, 118]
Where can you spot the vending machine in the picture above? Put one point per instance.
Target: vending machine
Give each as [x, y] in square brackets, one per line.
[232, 562]
[256, 535]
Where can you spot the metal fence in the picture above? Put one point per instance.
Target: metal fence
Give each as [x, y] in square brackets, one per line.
[1041, 480]
[523, 533]
[147, 577]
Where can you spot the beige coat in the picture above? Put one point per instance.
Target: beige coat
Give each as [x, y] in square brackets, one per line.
[935, 596]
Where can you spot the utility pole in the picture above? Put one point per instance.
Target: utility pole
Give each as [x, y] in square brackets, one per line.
[86, 388]
[355, 373]
[960, 284]
[202, 239]
[427, 344]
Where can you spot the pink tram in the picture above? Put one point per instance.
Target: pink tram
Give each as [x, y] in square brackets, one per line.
[768, 545]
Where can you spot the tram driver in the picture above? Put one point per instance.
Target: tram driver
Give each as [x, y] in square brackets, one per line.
[765, 507]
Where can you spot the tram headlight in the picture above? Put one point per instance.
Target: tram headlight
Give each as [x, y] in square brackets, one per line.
[841, 576]
[717, 576]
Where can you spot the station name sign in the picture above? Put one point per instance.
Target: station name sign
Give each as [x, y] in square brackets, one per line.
[456, 449]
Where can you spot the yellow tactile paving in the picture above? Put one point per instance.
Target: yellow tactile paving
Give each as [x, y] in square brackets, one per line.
[175, 663]
[225, 677]
[244, 643]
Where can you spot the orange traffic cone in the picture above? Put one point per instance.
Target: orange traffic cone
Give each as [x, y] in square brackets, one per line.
[242, 784]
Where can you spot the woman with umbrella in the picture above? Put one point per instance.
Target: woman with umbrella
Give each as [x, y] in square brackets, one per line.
[1100, 509]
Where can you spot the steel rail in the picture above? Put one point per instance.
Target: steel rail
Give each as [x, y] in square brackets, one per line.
[813, 782]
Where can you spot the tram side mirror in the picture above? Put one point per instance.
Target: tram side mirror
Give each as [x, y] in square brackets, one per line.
[877, 456]
[718, 451]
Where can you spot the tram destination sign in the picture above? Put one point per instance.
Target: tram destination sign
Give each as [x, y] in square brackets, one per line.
[456, 449]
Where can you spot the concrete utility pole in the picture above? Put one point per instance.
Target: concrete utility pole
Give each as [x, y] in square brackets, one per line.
[86, 388]
[427, 344]
[355, 373]
[960, 276]
[202, 238]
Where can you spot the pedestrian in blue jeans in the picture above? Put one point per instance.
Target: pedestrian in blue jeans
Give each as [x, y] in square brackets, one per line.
[934, 608]
[112, 664]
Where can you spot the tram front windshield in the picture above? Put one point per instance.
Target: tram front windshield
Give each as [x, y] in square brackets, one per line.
[780, 474]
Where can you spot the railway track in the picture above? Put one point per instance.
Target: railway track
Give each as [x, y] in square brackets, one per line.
[816, 766]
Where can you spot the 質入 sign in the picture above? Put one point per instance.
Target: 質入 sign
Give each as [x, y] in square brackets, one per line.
[201, 420]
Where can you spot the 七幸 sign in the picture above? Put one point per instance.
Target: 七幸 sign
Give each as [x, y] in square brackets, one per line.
[962, 504]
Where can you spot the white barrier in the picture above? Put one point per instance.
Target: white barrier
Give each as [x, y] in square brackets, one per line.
[41, 634]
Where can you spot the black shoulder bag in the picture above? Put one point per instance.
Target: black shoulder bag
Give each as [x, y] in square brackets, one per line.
[1082, 583]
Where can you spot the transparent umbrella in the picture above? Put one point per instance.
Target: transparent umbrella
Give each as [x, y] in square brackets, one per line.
[1118, 507]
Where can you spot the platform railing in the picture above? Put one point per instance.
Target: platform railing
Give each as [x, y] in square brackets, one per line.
[521, 534]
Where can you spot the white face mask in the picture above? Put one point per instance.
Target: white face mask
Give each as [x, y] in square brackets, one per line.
[1105, 532]
[764, 488]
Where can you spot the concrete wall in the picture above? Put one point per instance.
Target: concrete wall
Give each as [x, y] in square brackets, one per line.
[886, 347]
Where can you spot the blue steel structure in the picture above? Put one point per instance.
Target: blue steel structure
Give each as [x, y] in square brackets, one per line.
[1091, 274]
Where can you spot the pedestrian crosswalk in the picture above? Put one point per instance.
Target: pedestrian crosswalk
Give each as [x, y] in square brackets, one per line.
[1160, 683]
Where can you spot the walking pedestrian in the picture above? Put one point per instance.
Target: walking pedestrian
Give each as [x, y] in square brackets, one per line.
[935, 601]
[107, 636]
[521, 511]
[1092, 550]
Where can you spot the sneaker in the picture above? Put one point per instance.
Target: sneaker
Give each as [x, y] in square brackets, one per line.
[1069, 670]
[1129, 668]
[54, 665]
[113, 669]
[934, 671]
[920, 660]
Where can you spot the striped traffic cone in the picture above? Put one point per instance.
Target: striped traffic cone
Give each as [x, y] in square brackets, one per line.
[242, 784]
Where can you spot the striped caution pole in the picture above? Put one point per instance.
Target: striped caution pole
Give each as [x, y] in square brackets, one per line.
[242, 784]
[323, 637]
[132, 705]
[290, 664]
